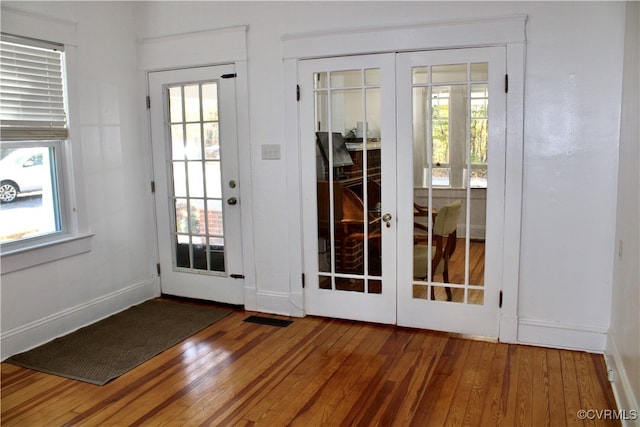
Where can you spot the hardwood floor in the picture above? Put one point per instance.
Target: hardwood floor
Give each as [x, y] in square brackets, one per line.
[322, 372]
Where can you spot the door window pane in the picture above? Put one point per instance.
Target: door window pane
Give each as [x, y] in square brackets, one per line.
[449, 73]
[450, 132]
[197, 187]
[348, 179]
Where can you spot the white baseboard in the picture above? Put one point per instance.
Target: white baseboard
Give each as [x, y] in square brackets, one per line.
[559, 335]
[623, 391]
[43, 330]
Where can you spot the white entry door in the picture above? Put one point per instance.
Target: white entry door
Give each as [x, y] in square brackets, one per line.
[195, 159]
[387, 143]
[348, 152]
[451, 145]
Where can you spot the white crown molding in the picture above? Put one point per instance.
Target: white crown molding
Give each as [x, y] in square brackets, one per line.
[425, 36]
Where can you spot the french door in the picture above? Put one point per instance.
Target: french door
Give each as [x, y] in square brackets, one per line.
[395, 149]
[348, 151]
[195, 159]
[451, 114]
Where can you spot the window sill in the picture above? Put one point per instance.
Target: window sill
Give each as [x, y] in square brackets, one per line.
[21, 259]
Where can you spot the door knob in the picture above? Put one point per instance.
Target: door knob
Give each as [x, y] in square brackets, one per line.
[387, 219]
[232, 200]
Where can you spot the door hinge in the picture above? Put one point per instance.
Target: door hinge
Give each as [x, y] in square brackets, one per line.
[500, 300]
[297, 92]
[237, 276]
[158, 268]
[148, 102]
[506, 83]
[303, 284]
[153, 186]
[229, 76]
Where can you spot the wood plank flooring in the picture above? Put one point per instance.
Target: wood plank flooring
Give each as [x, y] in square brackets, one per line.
[322, 372]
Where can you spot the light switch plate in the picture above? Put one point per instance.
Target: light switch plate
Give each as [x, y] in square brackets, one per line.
[270, 151]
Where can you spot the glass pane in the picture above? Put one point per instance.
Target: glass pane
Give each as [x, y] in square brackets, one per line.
[420, 133]
[195, 179]
[375, 287]
[200, 256]
[213, 179]
[373, 113]
[351, 78]
[458, 111]
[373, 177]
[478, 219]
[177, 142]
[372, 77]
[347, 114]
[179, 179]
[182, 216]
[216, 254]
[29, 193]
[475, 297]
[183, 255]
[420, 75]
[197, 219]
[480, 71]
[353, 285]
[458, 127]
[214, 218]
[175, 104]
[192, 103]
[211, 141]
[320, 80]
[194, 141]
[348, 179]
[479, 132]
[440, 124]
[449, 73]
[324, 282]
[420, 291]
[441, 293]
[210, 102]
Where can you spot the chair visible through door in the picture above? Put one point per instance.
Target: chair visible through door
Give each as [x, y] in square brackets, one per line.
[443, 245]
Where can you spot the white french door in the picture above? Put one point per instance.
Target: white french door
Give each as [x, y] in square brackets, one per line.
[348, 153]
[451, 114]
[195, 159]
[388, 141]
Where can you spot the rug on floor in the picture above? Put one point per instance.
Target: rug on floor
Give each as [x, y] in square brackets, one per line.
[110, 347]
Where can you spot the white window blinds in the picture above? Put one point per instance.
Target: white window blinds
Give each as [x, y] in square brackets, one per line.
[31, 90]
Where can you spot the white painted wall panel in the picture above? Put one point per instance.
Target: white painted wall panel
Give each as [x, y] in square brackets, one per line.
[111, 182]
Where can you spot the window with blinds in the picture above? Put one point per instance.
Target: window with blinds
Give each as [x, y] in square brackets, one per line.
[31, 90]
[33, 136]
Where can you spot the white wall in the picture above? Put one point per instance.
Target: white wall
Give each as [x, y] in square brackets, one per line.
[623, 346]
[572, 108]
[112, 185]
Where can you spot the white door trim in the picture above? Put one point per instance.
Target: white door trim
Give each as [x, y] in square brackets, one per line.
[205, 48]
[508, 31]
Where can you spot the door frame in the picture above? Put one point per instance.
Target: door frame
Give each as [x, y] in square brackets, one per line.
[506, 31]
[211, 48]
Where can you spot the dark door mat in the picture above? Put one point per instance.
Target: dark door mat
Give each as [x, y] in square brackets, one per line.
[269, 321]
